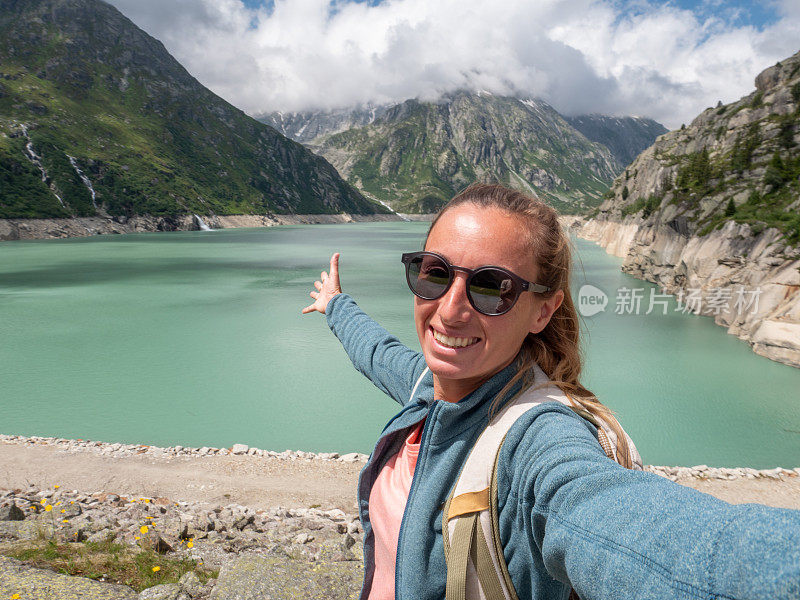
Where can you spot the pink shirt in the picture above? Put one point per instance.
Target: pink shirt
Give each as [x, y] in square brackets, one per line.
[387, 503]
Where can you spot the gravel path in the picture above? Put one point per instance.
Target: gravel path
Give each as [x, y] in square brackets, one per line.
[262, 480]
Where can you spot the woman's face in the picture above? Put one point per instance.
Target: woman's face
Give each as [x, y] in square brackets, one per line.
[470, 236]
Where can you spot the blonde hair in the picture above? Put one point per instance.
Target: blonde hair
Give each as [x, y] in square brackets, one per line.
[556, 349]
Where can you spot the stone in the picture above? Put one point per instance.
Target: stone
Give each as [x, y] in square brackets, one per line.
[11, 512]
[239, 449]
[303, 538]
[101, 536]
[191, 584]
[32, 584]
[258, 578]
[165, 591]
[350, 458]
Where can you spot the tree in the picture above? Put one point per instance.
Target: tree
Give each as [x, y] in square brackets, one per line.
[730, 210]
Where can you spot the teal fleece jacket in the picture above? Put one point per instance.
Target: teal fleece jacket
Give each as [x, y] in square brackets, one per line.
[568, 515]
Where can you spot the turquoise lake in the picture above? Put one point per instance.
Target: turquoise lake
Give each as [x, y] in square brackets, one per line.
[196, 338]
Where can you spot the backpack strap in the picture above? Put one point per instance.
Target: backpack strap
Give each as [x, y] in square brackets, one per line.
[476, 566]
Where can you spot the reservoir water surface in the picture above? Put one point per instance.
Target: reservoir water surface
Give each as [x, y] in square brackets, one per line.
[196, 338]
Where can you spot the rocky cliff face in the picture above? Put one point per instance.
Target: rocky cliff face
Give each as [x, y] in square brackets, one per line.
[711, 213]
[97, 119]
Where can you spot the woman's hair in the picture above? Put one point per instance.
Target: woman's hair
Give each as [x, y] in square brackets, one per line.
[556, 349]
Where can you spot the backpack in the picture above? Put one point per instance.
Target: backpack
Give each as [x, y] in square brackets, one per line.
[476, 567]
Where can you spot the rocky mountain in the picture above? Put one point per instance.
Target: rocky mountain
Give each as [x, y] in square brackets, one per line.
[714, 208]
[418, 154]
[415, 155]
[305, 127]
[96, 118]
[626, 137]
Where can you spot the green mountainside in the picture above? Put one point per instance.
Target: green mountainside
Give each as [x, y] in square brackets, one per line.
[736, 162]
[96, 118]
[417, 155]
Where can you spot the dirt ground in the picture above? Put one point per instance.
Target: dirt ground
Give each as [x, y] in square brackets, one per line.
[263, 482]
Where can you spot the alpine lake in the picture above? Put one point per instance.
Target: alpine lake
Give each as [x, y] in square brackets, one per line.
[196, 339]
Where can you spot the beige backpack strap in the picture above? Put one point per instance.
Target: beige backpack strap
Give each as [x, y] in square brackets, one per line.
[476, 567]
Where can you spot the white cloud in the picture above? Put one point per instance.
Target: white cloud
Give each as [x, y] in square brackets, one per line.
[579, 55]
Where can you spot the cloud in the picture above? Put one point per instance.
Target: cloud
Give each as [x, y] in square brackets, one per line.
[644, 58]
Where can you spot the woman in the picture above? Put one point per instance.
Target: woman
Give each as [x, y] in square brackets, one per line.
[568, 516]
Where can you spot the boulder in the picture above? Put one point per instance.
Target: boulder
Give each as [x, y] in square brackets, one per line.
[40, 584]
[11, 512]
[256, 578]
[165, 591]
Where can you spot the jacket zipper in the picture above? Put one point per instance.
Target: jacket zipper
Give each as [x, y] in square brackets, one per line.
[431, 418]
[405, 409]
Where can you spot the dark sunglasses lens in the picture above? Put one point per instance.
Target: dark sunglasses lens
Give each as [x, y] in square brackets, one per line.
[493, 291]
[428, 276]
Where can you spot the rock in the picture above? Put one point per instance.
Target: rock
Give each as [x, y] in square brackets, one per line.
[157, 543]
[350, 458]
[165, 591]
[259, 578]
[239, 449]
[303, 538]
[348, 542]
[190, 583]
[11, 512]
[41, 584]
[101, 536]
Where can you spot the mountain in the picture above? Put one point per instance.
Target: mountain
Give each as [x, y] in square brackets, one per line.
[305, 127]
[626, 137]
[715, 207]
[96, 118]
[417, 155]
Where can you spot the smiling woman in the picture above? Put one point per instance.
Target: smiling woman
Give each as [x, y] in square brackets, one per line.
[557, 517]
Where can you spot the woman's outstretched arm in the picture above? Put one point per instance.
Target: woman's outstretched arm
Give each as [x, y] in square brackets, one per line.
[381, 357]
[615, 533]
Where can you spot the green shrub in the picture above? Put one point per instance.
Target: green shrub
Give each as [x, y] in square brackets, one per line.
[730, 210]
[757, 100]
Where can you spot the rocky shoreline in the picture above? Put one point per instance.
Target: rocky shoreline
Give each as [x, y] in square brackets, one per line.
[28, 229]
[118, 450]
[301, 548]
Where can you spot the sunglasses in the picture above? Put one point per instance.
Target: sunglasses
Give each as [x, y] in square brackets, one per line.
[490, 290]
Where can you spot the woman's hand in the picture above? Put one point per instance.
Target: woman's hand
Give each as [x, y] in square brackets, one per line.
[327, 286]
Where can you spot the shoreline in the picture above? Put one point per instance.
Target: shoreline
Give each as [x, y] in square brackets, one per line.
[120, 450]
[37, 229]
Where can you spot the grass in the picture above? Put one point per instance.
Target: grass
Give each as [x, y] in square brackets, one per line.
[108, 561]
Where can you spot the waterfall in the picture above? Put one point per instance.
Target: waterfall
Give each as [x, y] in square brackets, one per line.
[30, 153]
[202, 224]
[84, 179]
[391, 209]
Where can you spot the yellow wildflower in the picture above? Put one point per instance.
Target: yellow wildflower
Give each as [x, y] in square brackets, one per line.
[44, 501]
[63, 510]
[48, 508]
[137, 537]
[57, 503]
[156, 569]
[190, 545]
[15, 597]
[56, 486]
[143, 528]
[65, 521]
